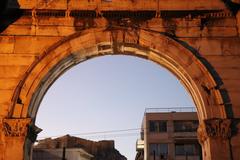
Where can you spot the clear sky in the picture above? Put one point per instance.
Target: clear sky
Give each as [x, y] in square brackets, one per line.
[108, 93]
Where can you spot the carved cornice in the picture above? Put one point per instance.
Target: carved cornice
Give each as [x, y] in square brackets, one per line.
[113, 14]
[15, 127]
[214, 128]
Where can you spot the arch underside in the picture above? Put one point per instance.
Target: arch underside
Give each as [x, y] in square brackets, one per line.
[157, 47]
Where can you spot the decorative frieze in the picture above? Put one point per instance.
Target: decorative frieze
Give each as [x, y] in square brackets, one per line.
[215, 128]
[16, 127]
[118, 14]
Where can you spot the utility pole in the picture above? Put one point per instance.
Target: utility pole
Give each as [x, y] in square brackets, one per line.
[154, 155]
[64, 154]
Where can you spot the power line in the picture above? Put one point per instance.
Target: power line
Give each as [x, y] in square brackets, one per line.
[112, 136]
[103, 133]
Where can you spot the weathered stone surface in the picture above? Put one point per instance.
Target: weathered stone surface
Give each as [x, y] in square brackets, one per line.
[231, 85]
[13, 59]
[4, 109]
[198, 42]
[229, 73]
[12, 71]
[7, 44]
[215, 46]
[8, 84]
[224, 61]
[5, 95]
[33, 45]
[234, 96]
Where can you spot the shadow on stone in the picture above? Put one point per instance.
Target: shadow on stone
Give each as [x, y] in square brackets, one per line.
[234, 7]
[9, 13]
[224, 94]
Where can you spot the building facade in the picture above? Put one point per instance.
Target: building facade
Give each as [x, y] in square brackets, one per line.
[57, 154]
[75, 148]
[169, 136]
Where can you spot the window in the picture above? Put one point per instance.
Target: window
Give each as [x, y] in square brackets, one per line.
[158, 150]
[158, 126]
[187, 149]
[185, 126]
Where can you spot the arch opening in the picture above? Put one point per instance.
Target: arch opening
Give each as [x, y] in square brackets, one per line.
[108, 93]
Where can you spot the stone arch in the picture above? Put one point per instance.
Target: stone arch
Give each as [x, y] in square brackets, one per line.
[172, 54]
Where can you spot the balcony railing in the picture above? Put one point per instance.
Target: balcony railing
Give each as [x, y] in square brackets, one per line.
[140, 144]
[172, 109]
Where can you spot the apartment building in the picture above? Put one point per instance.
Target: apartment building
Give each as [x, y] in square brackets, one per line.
[169, 134]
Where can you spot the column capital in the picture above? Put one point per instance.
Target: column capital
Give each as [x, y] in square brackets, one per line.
[15, 127]
[236, 1]
[214, 128]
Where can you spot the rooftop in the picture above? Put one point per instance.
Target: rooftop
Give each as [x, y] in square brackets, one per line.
[170, 110]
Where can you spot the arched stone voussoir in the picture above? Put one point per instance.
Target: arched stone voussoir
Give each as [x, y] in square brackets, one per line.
[81, 46]
[42, 66]
[187, 66]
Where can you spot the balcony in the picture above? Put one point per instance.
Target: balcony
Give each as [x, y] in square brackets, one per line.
[140, 145]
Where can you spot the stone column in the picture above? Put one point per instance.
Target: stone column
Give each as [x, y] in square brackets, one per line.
[13, 136]
[214, 136]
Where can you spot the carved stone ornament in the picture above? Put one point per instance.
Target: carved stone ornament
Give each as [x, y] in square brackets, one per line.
[201, 133]
[16, 127]
[216, 128]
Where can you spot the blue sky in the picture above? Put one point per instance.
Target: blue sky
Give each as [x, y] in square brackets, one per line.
[108, 93]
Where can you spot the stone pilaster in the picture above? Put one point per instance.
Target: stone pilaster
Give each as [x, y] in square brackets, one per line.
[2, 145]
[238, 22]
[214, 135]
[13, 134]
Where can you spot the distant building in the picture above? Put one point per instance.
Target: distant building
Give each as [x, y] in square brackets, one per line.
[75, 149]
[169, 135]
[57, 154]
